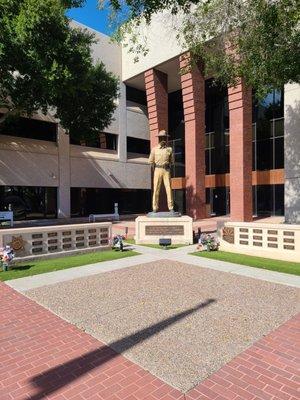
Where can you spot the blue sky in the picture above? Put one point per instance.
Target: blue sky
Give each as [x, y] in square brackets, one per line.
[92, 17]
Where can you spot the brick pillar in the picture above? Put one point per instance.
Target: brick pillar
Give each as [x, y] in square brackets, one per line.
[193, 95]
[156, 83]
[240, 123]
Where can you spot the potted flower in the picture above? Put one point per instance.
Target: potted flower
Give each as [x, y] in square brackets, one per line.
[6, 257]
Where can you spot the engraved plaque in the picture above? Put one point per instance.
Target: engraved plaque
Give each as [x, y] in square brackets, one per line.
[257, 244]
[275, 245]
[51, 241]
[103, 242]
[286, 240]
[257, 230]
[52, 248]
[243, 229]
[164, 230]
[92, 237]
[288, 233]
[67, 246]
[101, 230]
[94, 230]
[272, 232]
[65, 240]
[37, 236]
[243, 241]
[272, 239]
[37, 250]
[37, 243]
[79, 238]
[52, 234]
[288, 247]
[228, 234]
[104, 235]
[243, 236]
[92, 243]
[80, 232]
[66, 233]
[257, 237]
[80, 244]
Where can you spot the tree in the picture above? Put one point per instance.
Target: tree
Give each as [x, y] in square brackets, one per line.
[254, 39]
[46, 64]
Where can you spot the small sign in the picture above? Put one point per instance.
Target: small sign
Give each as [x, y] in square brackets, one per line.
[164, 230]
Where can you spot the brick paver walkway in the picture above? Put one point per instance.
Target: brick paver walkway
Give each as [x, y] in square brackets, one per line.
[45, 357]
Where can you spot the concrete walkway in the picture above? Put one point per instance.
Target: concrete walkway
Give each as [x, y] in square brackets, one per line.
[149, 254]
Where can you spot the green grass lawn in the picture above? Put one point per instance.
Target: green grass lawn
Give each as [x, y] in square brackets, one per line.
[252, 261]
[156, 246]
[28, 268]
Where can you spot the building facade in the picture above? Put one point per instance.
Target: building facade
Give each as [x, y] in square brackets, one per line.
[233, 154]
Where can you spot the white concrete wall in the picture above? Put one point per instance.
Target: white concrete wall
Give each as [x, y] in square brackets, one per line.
[137, 121]
[292, 152]
[161, 43]
[28, 162]
[96, 168]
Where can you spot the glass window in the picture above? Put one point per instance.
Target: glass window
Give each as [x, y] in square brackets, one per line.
[140, 146]
[279, 152]
[264, 200]
[136, 95]
[85, 201]
[29, 202]
[29, 128]
[279, 200]
[264, 155]
[108, 141]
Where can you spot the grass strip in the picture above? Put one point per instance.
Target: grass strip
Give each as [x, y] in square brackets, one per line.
[29, 268]
[287, 267]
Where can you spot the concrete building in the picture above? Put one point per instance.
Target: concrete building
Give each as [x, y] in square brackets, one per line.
[233, 155]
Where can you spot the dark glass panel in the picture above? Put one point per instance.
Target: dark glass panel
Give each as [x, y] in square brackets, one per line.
[279, 153]
[264, 152]
[179, 200]
[279, 199]
[140, 146]
[219, 200]
[85, 201]
[108, 141]
[264, 200]
[29, 128]
[29, 202]
[278, 127]
[136, 95]
[207, 162]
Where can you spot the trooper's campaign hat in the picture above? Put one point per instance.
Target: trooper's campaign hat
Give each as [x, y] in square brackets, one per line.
[162, 133]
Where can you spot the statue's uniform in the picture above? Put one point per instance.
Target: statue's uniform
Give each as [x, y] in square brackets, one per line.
[162, 158]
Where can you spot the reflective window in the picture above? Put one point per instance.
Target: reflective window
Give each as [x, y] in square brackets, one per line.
[86, 201]
[268, 132]
[176, 132]
[216, 129]
[268, 200]
[29, 202]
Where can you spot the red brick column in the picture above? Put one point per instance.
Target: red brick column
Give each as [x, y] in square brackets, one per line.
[240, 123]
[193, 95]
[156, 83]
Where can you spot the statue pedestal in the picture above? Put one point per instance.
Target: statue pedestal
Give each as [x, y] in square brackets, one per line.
[148, 230]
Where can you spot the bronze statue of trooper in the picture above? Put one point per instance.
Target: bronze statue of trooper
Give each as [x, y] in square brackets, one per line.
[161, 158]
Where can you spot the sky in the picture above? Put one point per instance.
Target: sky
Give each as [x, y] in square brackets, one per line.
[92, 17]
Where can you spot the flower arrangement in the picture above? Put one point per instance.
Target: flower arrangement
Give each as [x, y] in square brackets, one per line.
[118, 242]
[6, 257]
[208, 242]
